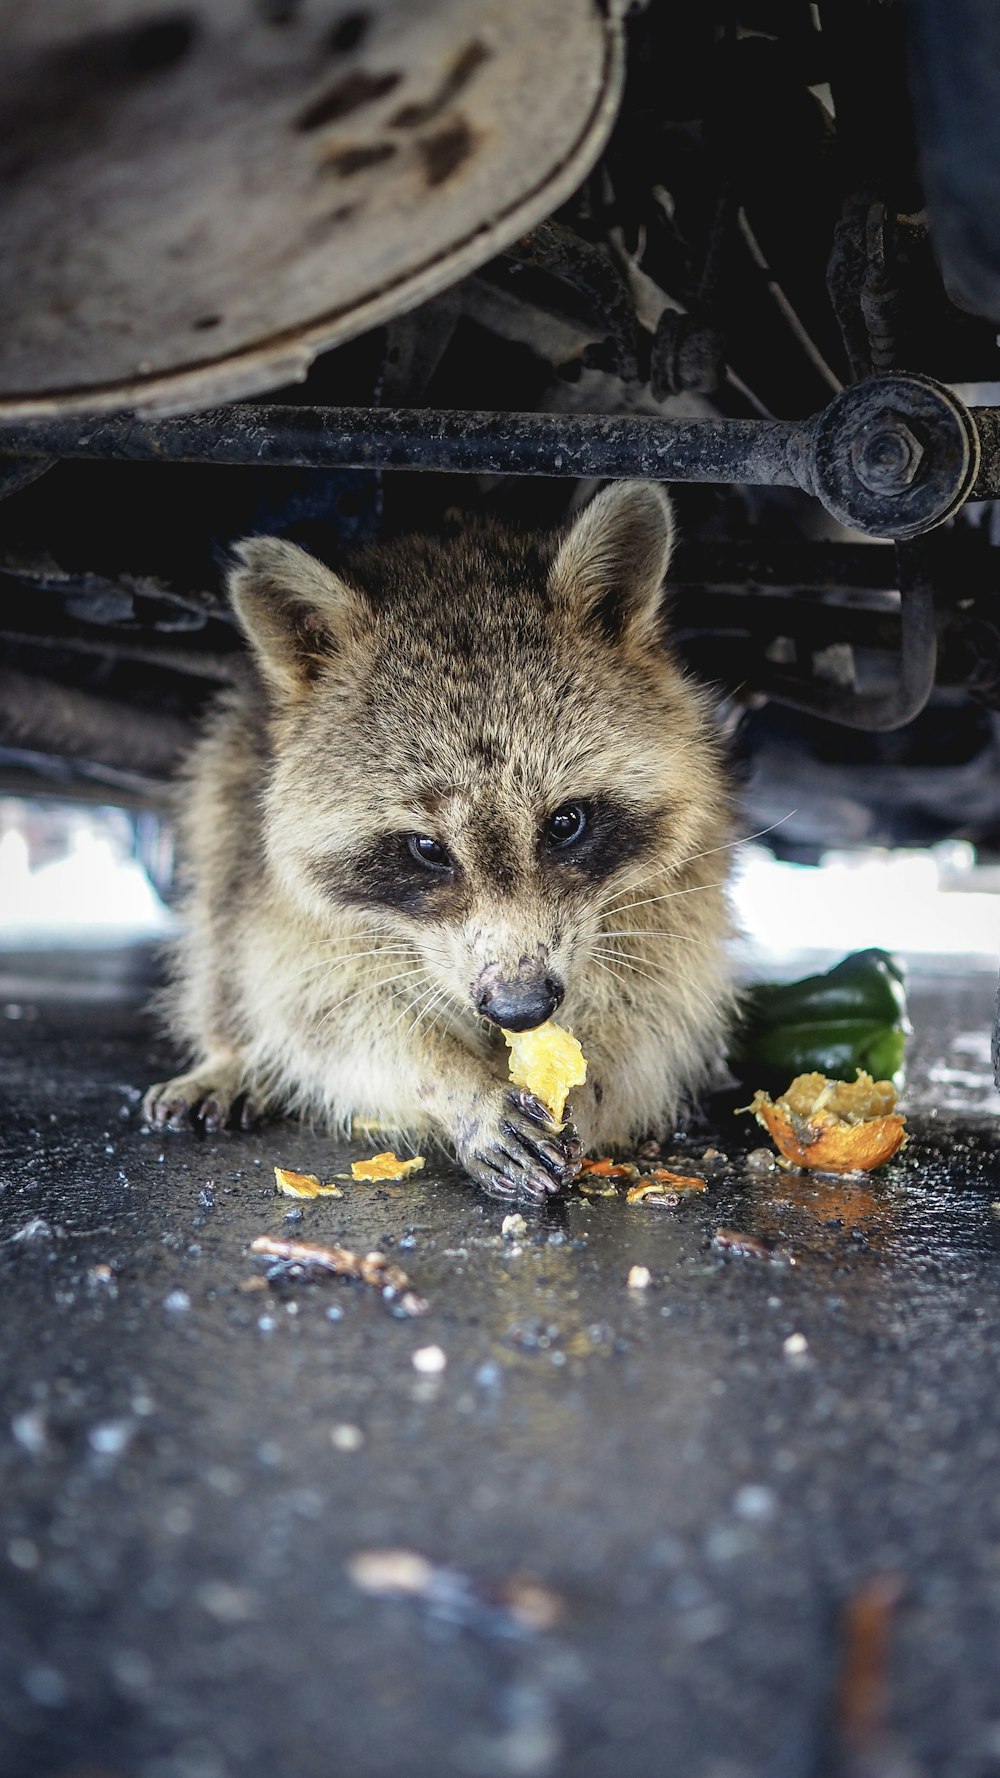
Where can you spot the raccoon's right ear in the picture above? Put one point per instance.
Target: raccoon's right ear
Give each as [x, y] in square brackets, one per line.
[610, 566]
[294, 611]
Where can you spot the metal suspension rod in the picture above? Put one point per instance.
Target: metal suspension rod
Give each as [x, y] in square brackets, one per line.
[892, 457]
[616, 446]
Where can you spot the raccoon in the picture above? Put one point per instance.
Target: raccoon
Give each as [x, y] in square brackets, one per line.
[464, 786]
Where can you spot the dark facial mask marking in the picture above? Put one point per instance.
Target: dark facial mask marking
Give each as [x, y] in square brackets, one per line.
[615, 834]
[387, 876]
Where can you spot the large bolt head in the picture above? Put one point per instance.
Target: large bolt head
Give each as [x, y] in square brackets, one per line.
[886, 457]
[895, 456]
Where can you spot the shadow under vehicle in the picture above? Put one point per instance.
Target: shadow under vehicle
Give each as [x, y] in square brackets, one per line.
[330, 272]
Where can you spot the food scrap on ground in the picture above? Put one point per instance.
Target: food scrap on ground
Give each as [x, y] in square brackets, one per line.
[742, 1246]
[606, 1168]
[368, 1268]
[519, 1605]
[861, 1714]
[596, 1185]
[834, 1125]
[303, 1185]
[652, 1192]
[430, 1361]
[386, 1166]
[547, 1062]
[676, 1182]
[656, 1185]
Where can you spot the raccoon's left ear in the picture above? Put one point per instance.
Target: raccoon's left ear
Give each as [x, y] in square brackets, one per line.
[610, 567]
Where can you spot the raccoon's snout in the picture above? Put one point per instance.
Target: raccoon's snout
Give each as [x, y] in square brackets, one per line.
[521, 1002]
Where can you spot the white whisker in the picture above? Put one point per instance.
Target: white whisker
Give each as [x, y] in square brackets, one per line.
[622, 892]
[367, 988]
[643, 932]
[336, 963]
[425, 1012]
[411, 1004]
[672, 894]
[664, 970]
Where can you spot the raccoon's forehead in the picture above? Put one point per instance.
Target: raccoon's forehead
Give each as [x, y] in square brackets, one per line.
[488, 667]
[477, 756]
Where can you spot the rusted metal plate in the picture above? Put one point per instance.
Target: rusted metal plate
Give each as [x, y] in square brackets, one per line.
[198, 198]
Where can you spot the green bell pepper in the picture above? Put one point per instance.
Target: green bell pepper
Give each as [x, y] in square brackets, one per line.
[854, 1016]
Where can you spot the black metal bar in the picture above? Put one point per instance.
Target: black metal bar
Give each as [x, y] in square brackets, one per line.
[814, 562]
[195, 663]
[988, 427]
[879, 711]
[760, 617]
[608, 445]
[19, 472]
[615, 446]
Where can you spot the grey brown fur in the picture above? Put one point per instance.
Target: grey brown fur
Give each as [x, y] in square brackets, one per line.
[462, 692]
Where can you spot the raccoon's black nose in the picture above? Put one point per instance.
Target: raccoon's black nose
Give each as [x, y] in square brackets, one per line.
[520, 1005]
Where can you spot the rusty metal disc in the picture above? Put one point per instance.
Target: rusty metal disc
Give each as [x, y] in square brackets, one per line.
[198, 198]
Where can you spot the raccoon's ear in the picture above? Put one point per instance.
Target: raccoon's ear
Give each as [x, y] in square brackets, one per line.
[294, 611]
[609, 568]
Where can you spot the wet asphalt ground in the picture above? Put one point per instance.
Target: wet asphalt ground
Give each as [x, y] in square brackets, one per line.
[742, 1522]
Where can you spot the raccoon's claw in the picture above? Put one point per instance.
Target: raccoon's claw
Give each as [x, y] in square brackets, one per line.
[204, 1100]
[524, 1155]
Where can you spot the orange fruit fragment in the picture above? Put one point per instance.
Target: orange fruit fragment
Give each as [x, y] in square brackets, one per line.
[606, 1168]
[386, 1166]
[303, 1185]
[837, 1126]
[677, 1182]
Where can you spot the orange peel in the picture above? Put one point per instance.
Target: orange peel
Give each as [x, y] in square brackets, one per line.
[835, 1126]
[677, 1182]
[303, 1185]
[386, 1166]
[606, 1168]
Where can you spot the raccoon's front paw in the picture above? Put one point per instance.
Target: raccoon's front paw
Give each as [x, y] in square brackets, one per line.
[210, 1098]
[513, 1149]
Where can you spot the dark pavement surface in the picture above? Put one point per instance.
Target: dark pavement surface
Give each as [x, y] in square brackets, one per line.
[700, 1475]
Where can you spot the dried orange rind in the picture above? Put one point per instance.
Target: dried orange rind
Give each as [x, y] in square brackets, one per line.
[547, 1062]
[606, 1168]
[386, 1166]
[652, 1191]
[836, 1126]
[659, 1186]
[303, 1185]
[676, 1182]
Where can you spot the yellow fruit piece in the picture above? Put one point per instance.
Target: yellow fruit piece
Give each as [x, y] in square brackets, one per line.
[837, 1126]
[386, 1166]
[547, 1062]
[658, 1179]
[303, 1185]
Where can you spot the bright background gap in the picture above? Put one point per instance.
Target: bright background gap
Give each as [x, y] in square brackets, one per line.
[73, 874]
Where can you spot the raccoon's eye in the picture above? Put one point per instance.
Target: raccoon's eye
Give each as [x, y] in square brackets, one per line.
[428, 852]
[566, 825]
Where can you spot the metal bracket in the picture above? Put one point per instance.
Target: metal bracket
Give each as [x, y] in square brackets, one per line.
[879, 711]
